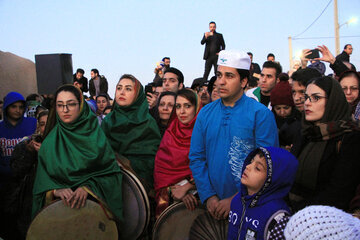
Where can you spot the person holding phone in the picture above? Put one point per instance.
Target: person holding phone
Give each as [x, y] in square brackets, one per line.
[312, 56]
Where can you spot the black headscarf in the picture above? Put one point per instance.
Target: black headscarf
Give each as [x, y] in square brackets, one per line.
[335, 122]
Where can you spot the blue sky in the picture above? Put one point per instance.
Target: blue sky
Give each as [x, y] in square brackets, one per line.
[120, 37]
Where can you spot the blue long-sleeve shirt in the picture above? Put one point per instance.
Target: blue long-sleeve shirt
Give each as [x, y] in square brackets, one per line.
[222, 138]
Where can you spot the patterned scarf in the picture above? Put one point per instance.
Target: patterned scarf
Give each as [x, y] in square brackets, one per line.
[334, 123]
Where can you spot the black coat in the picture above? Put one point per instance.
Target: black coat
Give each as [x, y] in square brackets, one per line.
[103, 86]
[17, 200]
[343, 57]
[288, 130]
[338, 173]
[339, 67]
[84, 81]
[214, 44]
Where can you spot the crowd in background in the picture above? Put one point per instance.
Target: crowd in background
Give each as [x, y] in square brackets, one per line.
[250, 139]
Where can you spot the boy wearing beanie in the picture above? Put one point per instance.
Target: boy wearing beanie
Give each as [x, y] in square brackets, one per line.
[286, 115]
[267, 176]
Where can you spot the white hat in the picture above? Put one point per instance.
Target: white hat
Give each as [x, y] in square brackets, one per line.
[235, 59]
[322, 222]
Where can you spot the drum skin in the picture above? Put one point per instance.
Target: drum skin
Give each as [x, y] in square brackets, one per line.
[136, 207]
[175, 222]
[58, 222]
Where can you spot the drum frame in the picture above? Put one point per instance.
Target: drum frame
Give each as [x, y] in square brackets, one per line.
[170, 208]
[138, 183]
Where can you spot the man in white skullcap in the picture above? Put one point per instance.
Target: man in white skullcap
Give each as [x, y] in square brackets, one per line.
[225, 132]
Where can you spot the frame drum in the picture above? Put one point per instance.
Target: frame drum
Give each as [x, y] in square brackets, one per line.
[136, 207]
[57, 222]
[205, 227]
[175, 222]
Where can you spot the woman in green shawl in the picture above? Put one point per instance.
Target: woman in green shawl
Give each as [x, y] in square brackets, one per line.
[75, 159]
[131, 130]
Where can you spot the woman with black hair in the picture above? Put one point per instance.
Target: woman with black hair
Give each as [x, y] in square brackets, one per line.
[172, 174]
[328, 150]
[350, 83]
[102, 101]
[165, 106]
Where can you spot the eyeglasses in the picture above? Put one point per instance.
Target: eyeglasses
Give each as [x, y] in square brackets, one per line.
[352, 89]
[313, 98]
[69, 106]
[199, 90]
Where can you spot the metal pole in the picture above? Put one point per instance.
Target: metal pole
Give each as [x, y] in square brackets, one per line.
[290, 53]
[336, 24]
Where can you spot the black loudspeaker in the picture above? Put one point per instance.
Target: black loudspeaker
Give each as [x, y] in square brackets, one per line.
[52, 71]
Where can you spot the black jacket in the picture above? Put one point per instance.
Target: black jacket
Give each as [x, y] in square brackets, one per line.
[214, 44]
[339, 67]
[103, 86]
[84, 82]
[289, 128]
[343, 57]
[338, 174]
[17, 200]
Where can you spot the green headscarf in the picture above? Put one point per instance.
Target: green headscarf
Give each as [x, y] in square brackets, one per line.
[134, 134]
[78, 154]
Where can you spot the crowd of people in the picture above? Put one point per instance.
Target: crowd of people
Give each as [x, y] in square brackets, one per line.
[253, 145]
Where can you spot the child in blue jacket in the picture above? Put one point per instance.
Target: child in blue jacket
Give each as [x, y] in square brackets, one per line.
[267, 177]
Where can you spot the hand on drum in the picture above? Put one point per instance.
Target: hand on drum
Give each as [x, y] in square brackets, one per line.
[178, 192]
[66, 194]
[79, 198]
[190, 201]
[223, 208]
[74, 199]
[211, 204]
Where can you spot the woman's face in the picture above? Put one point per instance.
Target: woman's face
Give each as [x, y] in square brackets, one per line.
[314, 109]
[67, 107]
[166, 106]
[42, 123]
[125, 92]
[350, 86]
[185, 111]
[101, 103]
[215, 93]
[282, 110]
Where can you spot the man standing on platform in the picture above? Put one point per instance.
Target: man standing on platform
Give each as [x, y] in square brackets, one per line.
[214, 43]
